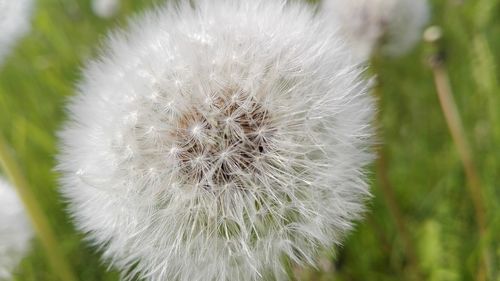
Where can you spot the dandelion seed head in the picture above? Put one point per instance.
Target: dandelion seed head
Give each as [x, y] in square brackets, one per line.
[15, 230]
[14, 23]
[235, 135]
[394, 26]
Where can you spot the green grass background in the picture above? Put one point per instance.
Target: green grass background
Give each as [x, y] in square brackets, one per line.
[422, 163]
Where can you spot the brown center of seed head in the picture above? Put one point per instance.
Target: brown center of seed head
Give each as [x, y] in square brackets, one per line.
[222, 141]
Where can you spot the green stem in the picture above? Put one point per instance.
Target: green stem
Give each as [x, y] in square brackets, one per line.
[36, 214]
[388, 193]
[396, 213]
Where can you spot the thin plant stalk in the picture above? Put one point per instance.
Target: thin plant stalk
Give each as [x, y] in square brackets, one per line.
[36, 214]
[395, 211]
[456, 128]
[391, 201]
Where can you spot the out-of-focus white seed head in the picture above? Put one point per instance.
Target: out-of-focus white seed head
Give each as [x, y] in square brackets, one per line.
[208, 143]
[394, 26]
[15, 17]
[15, 230]
[105, 8]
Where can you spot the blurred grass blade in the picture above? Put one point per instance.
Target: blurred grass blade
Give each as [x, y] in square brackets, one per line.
[36, 214]
[484, 71]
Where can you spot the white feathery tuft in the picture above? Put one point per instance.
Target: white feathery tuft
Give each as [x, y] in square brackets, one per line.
[393, 25]
[105, 8]
[209, 143]
[15, 18]
[15, 230]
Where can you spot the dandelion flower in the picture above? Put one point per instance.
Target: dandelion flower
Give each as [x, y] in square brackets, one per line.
[393, 25]
[211, 142]
[105, 8]
[14, 23]
[15, 230]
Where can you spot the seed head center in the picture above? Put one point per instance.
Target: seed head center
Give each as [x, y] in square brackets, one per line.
[221, 142]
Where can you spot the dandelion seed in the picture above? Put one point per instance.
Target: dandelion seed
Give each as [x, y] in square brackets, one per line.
[15, 230]
[255, 158]
[393, 25]
[14, 23]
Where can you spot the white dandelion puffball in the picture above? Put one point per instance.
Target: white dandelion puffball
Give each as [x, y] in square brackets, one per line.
[211, 142]
[105, 8]
[393, 25]
[15, 17]
[15, 230]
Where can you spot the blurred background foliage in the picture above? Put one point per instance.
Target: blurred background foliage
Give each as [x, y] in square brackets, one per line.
[434, 236]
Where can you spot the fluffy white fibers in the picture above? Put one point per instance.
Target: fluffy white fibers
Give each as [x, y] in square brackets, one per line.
[393, 25]
[211, 142]
[15, 17]
[15, 230]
